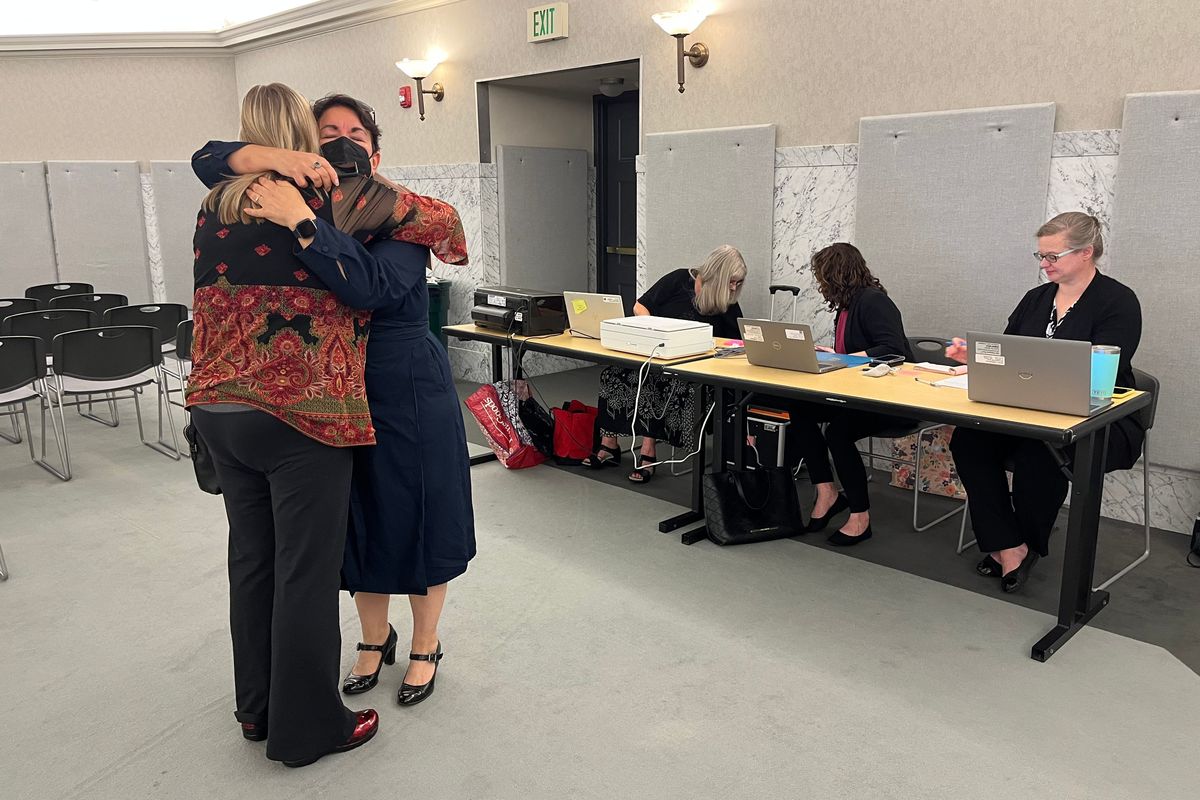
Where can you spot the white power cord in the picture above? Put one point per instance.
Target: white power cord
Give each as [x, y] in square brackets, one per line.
[643, 372]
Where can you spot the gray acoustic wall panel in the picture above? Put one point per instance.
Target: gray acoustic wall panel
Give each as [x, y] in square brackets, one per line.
[24, 229]
[543, 196]
[177, 198]
[948, 204]
[707, 188]
[99, 225]
[1154, 249]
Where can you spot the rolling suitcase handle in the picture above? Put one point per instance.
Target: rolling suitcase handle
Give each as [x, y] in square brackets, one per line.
[780, 287]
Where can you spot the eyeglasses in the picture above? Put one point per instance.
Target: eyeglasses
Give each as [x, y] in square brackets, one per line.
[1053, 257]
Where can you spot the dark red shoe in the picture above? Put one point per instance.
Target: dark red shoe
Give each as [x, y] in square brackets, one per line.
[255, 733]
[366, 725]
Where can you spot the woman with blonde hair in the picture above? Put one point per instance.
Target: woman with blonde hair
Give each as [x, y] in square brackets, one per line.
[277, 395]
[668, 409]
[1077, 302]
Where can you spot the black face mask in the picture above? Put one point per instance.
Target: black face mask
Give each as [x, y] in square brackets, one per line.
[347, 156]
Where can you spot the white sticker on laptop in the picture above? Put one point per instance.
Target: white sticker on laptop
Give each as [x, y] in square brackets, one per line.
[985, 358]
[753, 333]
[794, 333]
[610, 299]
[988, 349]
[496, 300]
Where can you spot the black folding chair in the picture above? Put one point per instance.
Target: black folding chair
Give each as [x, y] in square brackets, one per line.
[111, 361]
[183, 357]
[96, 303]
[16, 305]
[166, 319]
[22, 378]
[45, 292]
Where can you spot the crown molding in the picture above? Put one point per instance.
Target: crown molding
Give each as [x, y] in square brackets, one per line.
[298, 23]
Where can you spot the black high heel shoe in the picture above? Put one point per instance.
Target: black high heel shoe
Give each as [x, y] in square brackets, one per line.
[839, 539]
[410, 695]
[817, 524]
[988, 567]
[1014, 580]
[357, 684]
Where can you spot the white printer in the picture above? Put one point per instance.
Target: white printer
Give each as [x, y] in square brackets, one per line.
[676, 337]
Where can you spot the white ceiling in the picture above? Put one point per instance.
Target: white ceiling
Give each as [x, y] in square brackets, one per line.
[135, 16]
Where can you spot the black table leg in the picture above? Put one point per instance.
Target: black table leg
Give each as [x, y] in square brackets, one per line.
[697, 510]
[497, 375]
[1077, 603]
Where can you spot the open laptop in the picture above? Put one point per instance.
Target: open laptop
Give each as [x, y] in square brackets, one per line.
[789, 345]
[586, 310]
[1031, 372]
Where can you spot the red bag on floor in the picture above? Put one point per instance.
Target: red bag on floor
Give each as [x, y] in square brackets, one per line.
[503, 433]
[574, 431]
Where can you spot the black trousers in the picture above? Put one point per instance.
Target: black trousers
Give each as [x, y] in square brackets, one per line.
[287, 499]
[842, 433]
[1039, 487]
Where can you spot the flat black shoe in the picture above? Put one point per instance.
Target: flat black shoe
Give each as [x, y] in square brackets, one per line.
[357, 684]
[988, 567]
[255, 732]
[1014, 580]
[366, 725]
[612, 458]
[410, 695]
[839, 539]
[817, 524]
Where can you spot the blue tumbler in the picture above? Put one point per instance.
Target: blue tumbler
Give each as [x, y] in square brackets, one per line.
[1105, 358]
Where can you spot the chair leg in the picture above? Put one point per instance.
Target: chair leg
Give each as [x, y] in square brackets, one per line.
[114, 419]
[962, 530]
[16, 434]
[1145, 519]
[3, 566]
[60, 437]
[917, 526]
[675, 471]
[169, 449]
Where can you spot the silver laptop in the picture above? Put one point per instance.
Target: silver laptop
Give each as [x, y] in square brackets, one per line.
[586, 310]
[1031, 372]
[789, 345]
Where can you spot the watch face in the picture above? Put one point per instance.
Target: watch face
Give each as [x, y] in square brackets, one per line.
[305, 229]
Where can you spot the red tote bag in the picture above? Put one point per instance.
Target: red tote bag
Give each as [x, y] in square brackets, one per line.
[574, 431]
[500, 431]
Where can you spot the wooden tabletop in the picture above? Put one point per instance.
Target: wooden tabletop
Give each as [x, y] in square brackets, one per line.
[563, 344]
[909, 396]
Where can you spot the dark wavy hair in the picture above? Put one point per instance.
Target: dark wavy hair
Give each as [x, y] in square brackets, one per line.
[841, 272]
[365, 114]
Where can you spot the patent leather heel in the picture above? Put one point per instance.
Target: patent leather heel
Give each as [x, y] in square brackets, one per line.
[410, 695]
[357, 684]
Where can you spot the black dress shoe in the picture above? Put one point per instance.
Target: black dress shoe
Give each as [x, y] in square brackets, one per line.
[255, 732]
[410, 695]
[839, 539]
[817, 524]
[366, 725]
[357, 684]
[988, 567]
[1014, 580]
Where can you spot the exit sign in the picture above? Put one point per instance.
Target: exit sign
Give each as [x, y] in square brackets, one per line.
[547, 22]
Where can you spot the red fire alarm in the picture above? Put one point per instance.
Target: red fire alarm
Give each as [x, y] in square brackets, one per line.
[406, 96]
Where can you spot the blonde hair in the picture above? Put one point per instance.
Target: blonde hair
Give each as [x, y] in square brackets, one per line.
[1081, 229]
[273, 115]
[723, 265]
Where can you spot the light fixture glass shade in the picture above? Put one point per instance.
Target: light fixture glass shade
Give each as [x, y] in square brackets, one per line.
[417, 67]
[612, 87]
[679, 23]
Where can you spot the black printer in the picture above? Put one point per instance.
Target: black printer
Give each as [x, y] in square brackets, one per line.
[522, 311]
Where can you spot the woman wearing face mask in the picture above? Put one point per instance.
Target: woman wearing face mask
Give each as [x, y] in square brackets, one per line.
[1078, 302]
[412, 526]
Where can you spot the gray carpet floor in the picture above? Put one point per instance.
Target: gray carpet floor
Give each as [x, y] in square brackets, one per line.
[588, 656]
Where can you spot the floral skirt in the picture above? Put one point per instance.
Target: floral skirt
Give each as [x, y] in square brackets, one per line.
[669, 409]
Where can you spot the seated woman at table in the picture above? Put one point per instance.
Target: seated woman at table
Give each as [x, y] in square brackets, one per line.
[867, 323]
[1078, 303]
[668, 408]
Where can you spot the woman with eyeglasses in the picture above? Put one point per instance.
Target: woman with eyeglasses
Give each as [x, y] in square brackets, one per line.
[1080, 303]
[867, 323]
[668, 407]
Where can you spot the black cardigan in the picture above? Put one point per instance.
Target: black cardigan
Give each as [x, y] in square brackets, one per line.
[874, 325]
[1108, 312]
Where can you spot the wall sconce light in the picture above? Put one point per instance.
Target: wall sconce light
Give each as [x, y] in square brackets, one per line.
[418, 69]
[681, 24]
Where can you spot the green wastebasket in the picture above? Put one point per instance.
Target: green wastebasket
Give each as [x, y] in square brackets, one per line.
[439, 307]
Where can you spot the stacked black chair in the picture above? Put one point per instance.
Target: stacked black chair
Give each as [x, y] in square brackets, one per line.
[96, 303]
[16, 305]
[22, 375]
[183, 356]
[45, 292]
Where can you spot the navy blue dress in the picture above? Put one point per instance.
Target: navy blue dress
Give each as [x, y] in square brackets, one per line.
[412, 524]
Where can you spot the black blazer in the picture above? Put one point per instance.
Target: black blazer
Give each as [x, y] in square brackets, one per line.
[874, 326]
[1108, 312]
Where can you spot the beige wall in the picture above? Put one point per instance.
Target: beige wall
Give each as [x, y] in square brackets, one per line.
[538, 118]
[811, 67]
[114, 108]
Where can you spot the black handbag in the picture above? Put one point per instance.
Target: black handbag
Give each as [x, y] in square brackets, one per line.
[202, 462]
[745, 506]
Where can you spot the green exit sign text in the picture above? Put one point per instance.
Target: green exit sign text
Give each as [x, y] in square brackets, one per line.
[547, 22]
